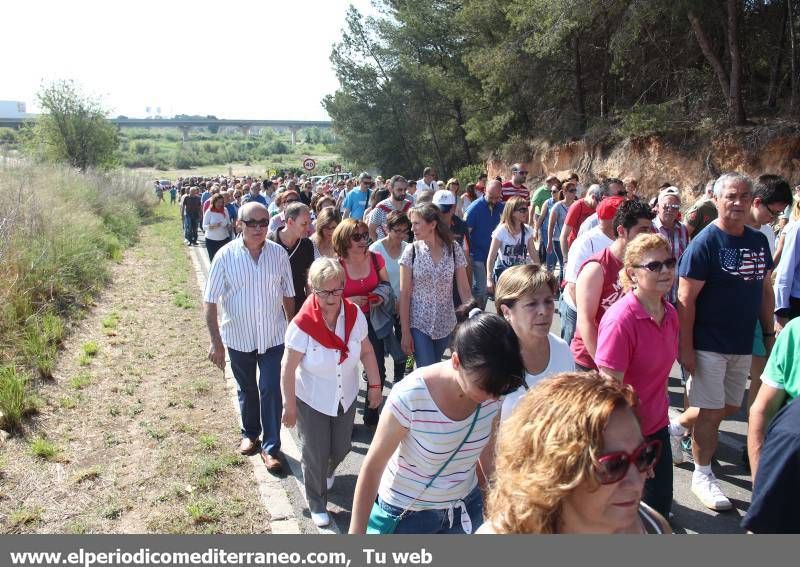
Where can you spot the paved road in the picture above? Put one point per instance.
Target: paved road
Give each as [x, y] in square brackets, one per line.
[689, 516]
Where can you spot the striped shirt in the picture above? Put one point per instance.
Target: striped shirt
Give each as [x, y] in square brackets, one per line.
[251, 294]
[431, 439]
[678, 239]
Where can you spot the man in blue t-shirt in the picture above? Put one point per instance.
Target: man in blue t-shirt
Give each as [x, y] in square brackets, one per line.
[355, 203]
[775, 506]
[723, 290]
[482, 217]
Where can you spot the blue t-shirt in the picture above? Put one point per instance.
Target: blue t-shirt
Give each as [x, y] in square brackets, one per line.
[356, 202]
[205, 196]
[775, 500]
[733, 269]
[482, 222]
[248, 197]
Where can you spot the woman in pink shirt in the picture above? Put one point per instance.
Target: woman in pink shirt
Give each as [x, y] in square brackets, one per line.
[638, 344]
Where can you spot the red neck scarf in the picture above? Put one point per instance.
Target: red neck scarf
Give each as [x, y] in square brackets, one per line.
[310, 320]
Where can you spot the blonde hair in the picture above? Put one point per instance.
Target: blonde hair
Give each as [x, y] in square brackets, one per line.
[323, 270]
[549, 446]
[635, 252]
[794, 214]
[518, 281]
[508, 210]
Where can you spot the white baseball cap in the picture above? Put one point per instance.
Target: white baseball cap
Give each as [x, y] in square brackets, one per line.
[444, 197]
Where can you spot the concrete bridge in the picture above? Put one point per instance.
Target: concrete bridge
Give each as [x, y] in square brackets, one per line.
[186, 124]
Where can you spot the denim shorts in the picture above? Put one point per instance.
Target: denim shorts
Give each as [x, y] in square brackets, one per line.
[461, 517]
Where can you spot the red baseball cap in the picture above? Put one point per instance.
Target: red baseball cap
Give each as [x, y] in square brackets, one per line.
[608, 207]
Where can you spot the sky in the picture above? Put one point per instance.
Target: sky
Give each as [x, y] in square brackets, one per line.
[257, 59]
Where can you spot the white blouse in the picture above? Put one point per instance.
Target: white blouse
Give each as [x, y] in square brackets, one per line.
[320, 381]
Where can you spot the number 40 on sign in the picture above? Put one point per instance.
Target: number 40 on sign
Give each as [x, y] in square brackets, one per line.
[309, 164]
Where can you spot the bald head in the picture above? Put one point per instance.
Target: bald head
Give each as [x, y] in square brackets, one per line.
[246, 211]
[494, 191]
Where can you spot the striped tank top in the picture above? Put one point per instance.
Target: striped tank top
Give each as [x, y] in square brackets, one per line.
[431, 439]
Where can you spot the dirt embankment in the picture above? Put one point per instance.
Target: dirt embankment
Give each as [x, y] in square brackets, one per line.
[687, 163]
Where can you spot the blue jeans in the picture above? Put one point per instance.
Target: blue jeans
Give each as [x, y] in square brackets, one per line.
[569, 319]
[428, 351]
[260, 404]
[437, 521]
[479, 282]
[191, 223]
[551, 260]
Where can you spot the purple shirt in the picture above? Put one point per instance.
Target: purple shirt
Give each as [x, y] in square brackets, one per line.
[630, 341]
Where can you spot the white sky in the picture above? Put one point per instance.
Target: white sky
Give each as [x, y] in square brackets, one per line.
[260, 59]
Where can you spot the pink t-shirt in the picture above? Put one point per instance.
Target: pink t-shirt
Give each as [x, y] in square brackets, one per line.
[630, 341]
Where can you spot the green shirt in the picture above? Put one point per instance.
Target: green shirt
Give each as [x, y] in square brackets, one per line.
[539, 197]
[700, 215]
[783, 367]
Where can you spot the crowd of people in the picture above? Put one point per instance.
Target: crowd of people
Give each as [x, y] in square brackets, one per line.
[321, 285]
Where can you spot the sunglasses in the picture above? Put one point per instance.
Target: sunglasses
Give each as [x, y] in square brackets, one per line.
[521, 172]
[445, 208]
[613, 467]
[329, 293]
[252, 223]
[573, 190]
[359, 236]
[657, 266]
[674, 207]
[622, 193]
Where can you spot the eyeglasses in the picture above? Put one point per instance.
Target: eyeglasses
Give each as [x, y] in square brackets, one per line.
[521, 172]
[657, 266]
[773, 213]
[329, 293]
[674, 207]
[573, 190]
[613, 467]
[521, 210]
[359, 236]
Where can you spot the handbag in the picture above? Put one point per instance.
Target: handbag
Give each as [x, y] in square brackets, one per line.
[383, 522]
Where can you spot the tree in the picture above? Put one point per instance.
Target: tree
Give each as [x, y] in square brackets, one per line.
[73, 128]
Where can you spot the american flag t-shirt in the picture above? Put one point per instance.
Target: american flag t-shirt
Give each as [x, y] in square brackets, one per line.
[746, 263]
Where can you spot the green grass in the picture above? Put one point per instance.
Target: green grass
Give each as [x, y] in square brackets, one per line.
[207, 469]
[83, 475]
[16, 399]
[90, 348]
[43, 449]
[80, 381]
[84, 359]
[24, 516]
[69, 402]
[204, 510]
[208, 442]
[183, 300]
[201, 386]
[110, 323]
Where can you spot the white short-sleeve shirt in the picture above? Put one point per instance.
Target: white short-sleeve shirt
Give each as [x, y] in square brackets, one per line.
[321, 381]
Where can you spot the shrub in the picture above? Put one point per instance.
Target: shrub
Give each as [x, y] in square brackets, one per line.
[16, 400]
[469, 174]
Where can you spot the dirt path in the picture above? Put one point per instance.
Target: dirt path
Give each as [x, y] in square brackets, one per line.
[140, 436]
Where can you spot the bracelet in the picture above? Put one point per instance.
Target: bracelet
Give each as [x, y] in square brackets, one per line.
[370, 386]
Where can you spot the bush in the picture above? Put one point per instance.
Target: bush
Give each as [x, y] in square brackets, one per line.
[469, 174]
[16, 400]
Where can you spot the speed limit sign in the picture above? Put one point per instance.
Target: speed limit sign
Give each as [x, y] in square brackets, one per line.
[309, 164]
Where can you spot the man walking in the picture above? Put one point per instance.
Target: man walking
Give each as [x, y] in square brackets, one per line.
[252, 278]
[724, 289]
[396, 202]
[516, 187]
[355, 203]
[482, 217]
[191, 209]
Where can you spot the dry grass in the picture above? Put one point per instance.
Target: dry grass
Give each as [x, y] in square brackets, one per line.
[139, 450]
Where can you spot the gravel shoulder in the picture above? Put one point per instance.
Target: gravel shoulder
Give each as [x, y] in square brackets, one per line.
[136, 433]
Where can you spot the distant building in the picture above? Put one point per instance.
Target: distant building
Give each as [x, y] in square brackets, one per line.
[12, 109]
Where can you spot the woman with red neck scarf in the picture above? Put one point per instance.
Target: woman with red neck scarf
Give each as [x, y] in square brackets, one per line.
[328, 333]
[216, 223]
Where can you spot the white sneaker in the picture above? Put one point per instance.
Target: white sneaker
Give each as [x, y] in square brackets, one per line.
[330, 480]
[320, 519]
[706, 488]
[677, 450]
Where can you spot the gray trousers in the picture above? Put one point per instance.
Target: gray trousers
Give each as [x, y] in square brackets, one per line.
[324, 443]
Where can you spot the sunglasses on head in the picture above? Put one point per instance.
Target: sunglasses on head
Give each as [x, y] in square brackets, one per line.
[613, 467]
[256, 223]
[359, 236]
[657, 266]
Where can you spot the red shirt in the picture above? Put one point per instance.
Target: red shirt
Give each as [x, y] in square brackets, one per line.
[610, 293]
[578, 212]
[366, 285]
[510, 191]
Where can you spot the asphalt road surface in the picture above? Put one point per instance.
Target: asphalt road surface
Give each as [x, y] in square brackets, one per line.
[688, 514]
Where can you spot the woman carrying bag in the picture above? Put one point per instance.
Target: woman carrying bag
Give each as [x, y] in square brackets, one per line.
[440, 421]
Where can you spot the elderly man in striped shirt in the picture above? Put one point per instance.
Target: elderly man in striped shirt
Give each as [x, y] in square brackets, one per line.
[252, 278]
